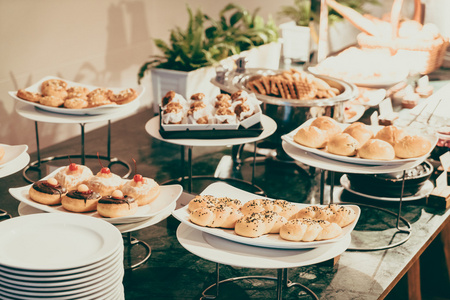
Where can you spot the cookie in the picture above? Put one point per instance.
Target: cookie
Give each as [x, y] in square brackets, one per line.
[29, 96]
[75, 103]
[52, 101]
[99, 97]
[54, 87]
[77, 92]
[125, 96]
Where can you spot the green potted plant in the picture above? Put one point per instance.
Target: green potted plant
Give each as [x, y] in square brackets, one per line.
[188, 60]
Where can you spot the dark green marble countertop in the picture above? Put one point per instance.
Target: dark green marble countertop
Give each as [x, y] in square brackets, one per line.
[174, 273]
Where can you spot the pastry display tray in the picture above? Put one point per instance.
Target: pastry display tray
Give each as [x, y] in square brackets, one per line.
[213, 133]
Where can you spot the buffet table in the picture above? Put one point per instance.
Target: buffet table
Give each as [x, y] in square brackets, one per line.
[172, 272]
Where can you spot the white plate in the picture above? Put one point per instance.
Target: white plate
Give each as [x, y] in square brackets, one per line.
[90, 283]
[19, 163]
[426, 189]
[223, 251]
[11, 153]
[56, 241]
[314, 160]
[60, 278]
[289, 138]
[168, 195]
[359, 109]
[220, 189]
[36, 88]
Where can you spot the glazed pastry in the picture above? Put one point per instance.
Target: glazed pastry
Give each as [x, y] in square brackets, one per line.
[125, 96]
[116, 205]
[76, 103]
[73, 175]
[239, 96]
[29, 96]
[144, 190]
[198, 97]
[48, 192]
[99, 97]
[54, 87]
[222, 100]
[104, 182]
[243, 109]
[81, 199]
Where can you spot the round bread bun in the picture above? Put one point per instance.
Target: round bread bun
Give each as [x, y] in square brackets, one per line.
[311, 136]
[80, 200]
[377, 149]
[342, 144]
[412, 146]
[360, 132]
[117, 205]
[390, 134]
[48, 192]
[329, 125]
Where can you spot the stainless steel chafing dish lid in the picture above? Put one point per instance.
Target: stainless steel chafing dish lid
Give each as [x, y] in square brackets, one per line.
[234, 80]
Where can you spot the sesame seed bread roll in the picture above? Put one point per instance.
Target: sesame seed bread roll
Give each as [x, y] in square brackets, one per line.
[252, 226]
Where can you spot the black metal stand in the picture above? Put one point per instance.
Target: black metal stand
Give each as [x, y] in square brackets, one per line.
[406, 230]
[131, 242]
[35, 165]
[281, 280]
[189, 178]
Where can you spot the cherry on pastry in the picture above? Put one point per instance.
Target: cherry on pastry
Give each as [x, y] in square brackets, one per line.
[72, 166]
[137, 177]
[104, 170]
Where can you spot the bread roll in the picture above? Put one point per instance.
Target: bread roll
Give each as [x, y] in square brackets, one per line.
[342, 144]
[285, 208]
[412, 146]
[390, 134]
[342, 215]
[201, 201]
[327, 124]
[329, 230]
[377, 149]
[311, 136]
[307, 212]
[252, 225]
[360, 132]
[300, 230]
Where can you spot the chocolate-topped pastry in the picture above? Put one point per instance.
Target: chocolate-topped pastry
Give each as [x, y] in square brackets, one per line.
[48, 192]
[82, 199]
[117, 205]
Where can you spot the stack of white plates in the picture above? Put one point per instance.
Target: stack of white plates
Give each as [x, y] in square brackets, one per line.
[60, 256]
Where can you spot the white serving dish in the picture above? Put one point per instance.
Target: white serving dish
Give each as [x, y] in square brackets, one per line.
[220, 189]
[36, 88]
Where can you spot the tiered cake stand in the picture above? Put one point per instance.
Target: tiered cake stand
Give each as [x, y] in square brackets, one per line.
[38, 115]
[332, 166]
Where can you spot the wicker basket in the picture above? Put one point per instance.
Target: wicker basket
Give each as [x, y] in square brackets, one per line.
[426, 55]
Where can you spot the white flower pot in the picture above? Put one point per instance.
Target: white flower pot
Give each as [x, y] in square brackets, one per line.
[188, 83]
[296, 41]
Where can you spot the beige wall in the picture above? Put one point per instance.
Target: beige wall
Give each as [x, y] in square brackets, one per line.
[101, 42]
